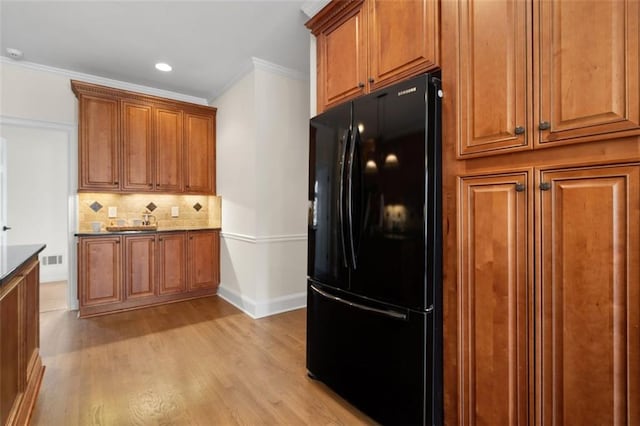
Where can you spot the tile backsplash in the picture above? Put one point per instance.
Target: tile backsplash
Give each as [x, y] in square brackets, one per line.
[194, 210]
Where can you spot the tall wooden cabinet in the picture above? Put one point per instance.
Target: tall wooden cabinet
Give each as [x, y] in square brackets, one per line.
[365, 45]
[130, 142]
[588, 295]
[495, 297]
[541, 173]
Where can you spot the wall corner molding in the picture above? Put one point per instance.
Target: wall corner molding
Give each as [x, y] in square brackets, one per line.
[261, 309]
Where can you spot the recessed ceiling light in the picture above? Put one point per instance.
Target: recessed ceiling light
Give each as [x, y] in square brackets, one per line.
[163, 67]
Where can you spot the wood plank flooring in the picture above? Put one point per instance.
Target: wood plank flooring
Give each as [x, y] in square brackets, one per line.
[199, 362]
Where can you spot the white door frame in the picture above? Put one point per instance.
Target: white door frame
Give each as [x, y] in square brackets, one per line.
[71, 129]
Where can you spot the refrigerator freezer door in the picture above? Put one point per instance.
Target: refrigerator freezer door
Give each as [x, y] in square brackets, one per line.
[373, 357]
[389, 185]
[328, 147]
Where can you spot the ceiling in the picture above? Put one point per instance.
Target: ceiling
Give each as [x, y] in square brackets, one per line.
[208, 43]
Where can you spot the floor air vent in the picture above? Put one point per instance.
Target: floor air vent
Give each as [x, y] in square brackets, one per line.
[51, 260]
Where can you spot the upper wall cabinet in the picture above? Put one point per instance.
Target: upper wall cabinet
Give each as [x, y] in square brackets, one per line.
[576, 47]
[364, 45]
[99, 147]
[131, 142]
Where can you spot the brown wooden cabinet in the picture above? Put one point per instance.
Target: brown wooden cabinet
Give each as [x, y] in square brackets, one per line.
[580, 310]
[140, 266]
[580, 45]
[149, 269]
[99, 271]
[172, 269]
[365, 45]
[199, 153]
[204, 260]
[99, 143]
[137, 146]
[493, 76]
[495, 298]
[552, 85]
[588, 296]
[21, 367]
[515, 98]
[169, 149]
[130, 142]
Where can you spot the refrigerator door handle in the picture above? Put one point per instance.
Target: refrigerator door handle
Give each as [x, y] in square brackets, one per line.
[352, 150]
[343, 159]
[392, 314]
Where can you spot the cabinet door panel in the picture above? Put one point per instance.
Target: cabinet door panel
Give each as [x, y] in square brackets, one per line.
[494, 76]
[494, 297]
[204, 258]
[169, 149]
[200, 153]
[137, 147]
[589, 301]
[100, 271]
[99, 144]
[342, 59]
[140, 255]
[172, 270]
[403, 39]
[589, 75]
[32, 313]
[12, 370]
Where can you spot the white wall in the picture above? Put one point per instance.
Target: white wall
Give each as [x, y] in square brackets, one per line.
[263, 154]
[37, 183]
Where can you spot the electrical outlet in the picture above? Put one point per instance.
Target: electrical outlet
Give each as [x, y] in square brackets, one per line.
[113, 212]
[175, 211]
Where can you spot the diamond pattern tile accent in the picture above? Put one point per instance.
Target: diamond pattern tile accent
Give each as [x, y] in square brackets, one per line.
[197, 206]
[95, 206]
[151, 207]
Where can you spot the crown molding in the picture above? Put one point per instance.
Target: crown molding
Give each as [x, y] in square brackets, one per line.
[116, 84]
[261, 64]
[312, 7]
[267, 66]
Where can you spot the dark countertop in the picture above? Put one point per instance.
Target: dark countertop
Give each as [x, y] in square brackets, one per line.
[151, 231]
[13, 257]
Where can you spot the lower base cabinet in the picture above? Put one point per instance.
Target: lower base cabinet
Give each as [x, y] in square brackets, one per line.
[549, 296]
[123, 272]
[21, 367]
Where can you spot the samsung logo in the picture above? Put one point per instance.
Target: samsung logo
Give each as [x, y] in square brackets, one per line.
[406, 92]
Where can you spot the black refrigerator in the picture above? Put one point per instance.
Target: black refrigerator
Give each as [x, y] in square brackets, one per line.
[374, 310]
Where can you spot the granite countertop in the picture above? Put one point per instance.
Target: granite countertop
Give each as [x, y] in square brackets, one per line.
[150, 231]
[13, 257]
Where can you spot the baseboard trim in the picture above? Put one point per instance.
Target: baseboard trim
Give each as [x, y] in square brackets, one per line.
[266, 308]
[264, 240]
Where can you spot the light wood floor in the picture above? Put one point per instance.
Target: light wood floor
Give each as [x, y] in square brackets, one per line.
[53, 296]
[200, 362]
